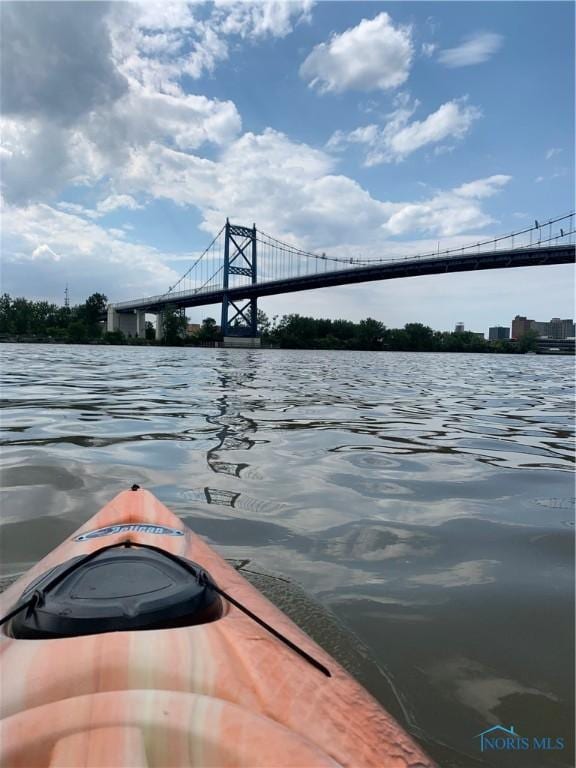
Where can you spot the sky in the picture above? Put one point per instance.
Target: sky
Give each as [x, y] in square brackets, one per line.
[130, 131]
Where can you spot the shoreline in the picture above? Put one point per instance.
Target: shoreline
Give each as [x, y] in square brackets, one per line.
[220, 345]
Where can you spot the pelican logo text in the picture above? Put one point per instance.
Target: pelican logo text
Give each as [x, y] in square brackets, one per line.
[111, 530]
[501, 739]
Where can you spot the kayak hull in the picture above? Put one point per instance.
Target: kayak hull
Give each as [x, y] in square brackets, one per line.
[226, 693]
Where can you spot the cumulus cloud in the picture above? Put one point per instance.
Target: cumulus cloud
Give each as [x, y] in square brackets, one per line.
[87, 85]
[482, 187]
[147, 140]
[475, 49]
[447, 213]
[56, 60]
[46, 147]
[114, 202]
[293, 191]
[375, 55]
[157, 43]
[67, 248]
[400, 136]
[274, 18]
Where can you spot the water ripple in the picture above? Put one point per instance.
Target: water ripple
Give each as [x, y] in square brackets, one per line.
[428, 499]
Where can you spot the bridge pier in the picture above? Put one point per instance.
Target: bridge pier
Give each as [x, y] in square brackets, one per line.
[159, 326]
[241, 342]
[129, 323]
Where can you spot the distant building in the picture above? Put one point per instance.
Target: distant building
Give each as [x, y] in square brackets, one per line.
[556, 328]
[542, 329]
[560, 329]
[192, 329]
[498, 333]
[459, 328]
[520, 326]
[556, 346]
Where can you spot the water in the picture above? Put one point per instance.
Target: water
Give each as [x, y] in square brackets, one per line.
[426, 500]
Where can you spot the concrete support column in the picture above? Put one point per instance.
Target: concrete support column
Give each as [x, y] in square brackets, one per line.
[112, 319]
[127, 323]
[159, 326]
[140, 324]
[130, 323]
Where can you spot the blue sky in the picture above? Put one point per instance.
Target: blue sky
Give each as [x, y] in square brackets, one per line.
[130, 131]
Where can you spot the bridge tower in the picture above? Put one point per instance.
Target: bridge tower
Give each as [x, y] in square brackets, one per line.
[239, 319]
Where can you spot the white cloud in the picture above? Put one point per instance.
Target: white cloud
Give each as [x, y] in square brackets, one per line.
[261, 19]
[45, 252]
[428, 49]
[56, 60]
[552, 152]
[292, 190]
[128, 96]
[375, 55]
[475, 49]
[482, 187]
[186, 40]
[451, 120]
[186, 121]
[114, 202]
[77, 210]
[447, 213]
[399, 137]
[67, 248]
[160, 16]
[145, 143]
[41, 158]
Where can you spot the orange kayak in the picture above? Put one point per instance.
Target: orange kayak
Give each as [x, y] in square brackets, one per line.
[133, 643]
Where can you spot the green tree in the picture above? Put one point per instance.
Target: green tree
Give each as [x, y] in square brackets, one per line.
[419, 337]
[114, 337]
[174, 321]
[528, 342]
[94, 307]
[208, 331]
[150, 331]
[6, 324]
[370, 334]
[262, 322]
[77, 332]
[21, 311]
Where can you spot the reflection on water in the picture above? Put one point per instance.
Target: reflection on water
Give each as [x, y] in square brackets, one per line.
[426, 500]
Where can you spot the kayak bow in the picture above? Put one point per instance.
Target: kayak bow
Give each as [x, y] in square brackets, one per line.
[134, 643]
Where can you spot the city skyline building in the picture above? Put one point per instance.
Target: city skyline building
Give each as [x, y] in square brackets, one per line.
[556, 328]
[520, 326]
[499, 333]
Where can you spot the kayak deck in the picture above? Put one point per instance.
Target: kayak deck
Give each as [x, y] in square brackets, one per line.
[224, 693]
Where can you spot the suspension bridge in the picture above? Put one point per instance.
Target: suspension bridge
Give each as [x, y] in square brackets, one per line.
[242, 264]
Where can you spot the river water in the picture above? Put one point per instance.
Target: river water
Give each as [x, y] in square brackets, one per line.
[425, 500]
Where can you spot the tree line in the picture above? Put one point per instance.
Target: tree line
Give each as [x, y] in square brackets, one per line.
[40, 320]
[297, 332]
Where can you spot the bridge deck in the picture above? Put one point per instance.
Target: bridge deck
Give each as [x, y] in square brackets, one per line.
[503, 259]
